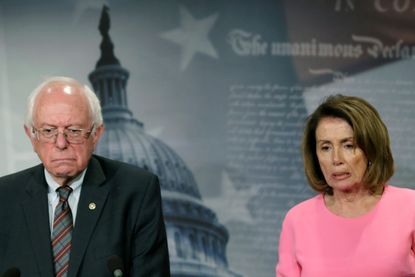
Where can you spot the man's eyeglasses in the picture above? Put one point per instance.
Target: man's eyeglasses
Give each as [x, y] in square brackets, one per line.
[72, 135]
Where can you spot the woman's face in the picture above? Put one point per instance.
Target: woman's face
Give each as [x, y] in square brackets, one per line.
[342, 162]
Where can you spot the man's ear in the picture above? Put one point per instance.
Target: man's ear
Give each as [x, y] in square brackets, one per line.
[98, 133]
[31, 136]
[28, 131]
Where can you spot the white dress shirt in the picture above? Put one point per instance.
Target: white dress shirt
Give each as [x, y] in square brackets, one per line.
[53, 197]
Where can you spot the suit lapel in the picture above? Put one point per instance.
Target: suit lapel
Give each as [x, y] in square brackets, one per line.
[93, 196]
[35, 209]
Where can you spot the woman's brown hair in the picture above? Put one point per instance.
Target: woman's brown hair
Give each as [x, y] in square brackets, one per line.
[370, 135]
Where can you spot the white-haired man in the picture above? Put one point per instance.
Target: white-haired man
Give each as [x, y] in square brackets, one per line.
[77, 212]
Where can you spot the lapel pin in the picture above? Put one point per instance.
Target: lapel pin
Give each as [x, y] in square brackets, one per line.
[92, 206]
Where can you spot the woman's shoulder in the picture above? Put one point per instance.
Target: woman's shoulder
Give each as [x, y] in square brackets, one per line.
[398, 203]
[306, 207]
[400, 193]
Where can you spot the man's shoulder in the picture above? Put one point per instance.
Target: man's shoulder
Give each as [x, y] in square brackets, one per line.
[114, 167]
[24, 173]
[126, 177]
[16, 181]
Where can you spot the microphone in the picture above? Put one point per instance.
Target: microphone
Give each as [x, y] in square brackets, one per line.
[11, 272]
[115, 266]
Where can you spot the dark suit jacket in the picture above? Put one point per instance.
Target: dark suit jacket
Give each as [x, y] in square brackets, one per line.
[126, 222]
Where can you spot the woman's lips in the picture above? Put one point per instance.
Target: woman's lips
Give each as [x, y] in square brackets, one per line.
[340, 175]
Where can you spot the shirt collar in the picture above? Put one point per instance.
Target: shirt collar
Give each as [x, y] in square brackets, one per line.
[74, 184]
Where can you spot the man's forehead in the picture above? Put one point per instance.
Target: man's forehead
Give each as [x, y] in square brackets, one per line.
[65, 87]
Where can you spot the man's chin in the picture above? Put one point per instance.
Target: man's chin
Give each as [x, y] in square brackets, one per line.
[64, 172]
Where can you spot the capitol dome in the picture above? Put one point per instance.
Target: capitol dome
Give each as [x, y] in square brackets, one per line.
[196, 240]
[124, 139]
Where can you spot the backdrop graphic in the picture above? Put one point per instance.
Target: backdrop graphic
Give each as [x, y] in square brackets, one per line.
[226, 85]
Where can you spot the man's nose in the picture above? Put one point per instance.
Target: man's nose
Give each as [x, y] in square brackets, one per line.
[61, 141]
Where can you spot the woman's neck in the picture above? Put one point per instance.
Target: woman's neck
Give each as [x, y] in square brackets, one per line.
[352, 203]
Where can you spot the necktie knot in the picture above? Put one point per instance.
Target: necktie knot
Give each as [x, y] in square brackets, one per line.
[64, 192]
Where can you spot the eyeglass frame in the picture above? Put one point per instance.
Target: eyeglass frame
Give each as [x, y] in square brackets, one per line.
[37, 132]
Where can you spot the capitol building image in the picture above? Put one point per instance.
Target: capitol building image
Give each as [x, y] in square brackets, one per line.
[196, 239]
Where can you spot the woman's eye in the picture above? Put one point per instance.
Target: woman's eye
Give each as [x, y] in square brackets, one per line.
[325, 148]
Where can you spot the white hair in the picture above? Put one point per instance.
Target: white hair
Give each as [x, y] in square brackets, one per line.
[93, 101]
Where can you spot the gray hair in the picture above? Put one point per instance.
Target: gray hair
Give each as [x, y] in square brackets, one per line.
[93, 101]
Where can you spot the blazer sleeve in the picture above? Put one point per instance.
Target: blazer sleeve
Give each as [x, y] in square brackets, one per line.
[150, 255]
[287, 263]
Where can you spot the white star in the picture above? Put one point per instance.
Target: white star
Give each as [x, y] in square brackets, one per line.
[231, 205]
[192, 36]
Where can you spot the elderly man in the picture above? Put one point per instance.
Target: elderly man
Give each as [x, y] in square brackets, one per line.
[76, 212]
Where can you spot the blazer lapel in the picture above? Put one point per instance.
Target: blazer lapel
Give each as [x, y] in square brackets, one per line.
[35, 209]
[93, 196]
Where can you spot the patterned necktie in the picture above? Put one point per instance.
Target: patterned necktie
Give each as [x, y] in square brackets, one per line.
[62, 232]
